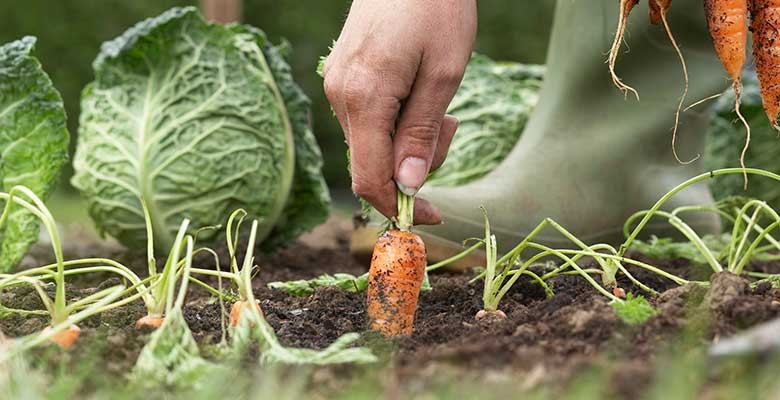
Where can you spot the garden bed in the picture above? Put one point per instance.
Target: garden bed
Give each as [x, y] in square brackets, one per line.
[542, 340]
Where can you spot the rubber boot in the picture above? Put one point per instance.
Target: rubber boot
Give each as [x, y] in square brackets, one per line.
[590, 157]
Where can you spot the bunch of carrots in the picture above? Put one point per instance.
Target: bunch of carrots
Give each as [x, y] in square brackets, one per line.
[728, 25]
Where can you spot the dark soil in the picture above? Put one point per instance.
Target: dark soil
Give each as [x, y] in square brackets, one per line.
[540, 339]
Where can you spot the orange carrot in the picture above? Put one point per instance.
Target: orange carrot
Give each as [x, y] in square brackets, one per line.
[238, 307]
[65, 338]
[149, 321]
[657, 9]
[765, 25]
[625, 9]
[727, 21]
[394, 280]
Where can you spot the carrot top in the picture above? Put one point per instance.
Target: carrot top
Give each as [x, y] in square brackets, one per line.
[405, 218]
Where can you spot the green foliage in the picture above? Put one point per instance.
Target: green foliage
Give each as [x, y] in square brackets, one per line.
[171, 357]
[635, 310]
[669, 249]
[197, 120]
[252, 328]
[727, 138]
[493, 104]
[33, 142]
[303, 287]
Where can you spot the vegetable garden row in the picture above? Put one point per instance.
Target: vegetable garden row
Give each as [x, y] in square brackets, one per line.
[194, 142]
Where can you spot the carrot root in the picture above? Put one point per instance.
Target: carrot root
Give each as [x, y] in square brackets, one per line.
[149, 322]
[67, 337]
[662, 8]
[625, 9]
[238, 307]
[490, 315]
[394, 280]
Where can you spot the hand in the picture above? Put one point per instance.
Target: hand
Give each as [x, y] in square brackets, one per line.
[390, 77]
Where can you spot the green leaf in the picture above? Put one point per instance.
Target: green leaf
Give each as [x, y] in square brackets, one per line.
[309, 201]
[252, 328]
[197, 119]
[635, 310]
[33, 141]
[493, 104]
[171, 357]
[669, 249]
[301, 288]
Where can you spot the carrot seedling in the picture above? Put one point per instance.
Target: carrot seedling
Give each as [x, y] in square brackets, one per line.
[635, 310]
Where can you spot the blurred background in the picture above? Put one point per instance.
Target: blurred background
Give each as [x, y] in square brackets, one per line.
[70, 33]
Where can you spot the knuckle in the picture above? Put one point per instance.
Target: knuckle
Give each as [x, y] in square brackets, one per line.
[363, 188]
[332, 85]
[447, 76]
[420, 134]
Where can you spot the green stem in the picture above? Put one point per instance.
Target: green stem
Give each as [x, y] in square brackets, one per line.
[405, 219]
[707, 175]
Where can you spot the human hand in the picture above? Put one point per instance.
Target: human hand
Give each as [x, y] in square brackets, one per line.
[389, 78]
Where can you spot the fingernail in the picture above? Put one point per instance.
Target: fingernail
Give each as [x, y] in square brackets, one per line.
[411, 175]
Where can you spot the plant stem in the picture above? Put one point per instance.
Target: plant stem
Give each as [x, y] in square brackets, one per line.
[405, 218]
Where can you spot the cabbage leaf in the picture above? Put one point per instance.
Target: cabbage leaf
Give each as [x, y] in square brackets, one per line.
[196, 119]
[33, 141]
[493, 104]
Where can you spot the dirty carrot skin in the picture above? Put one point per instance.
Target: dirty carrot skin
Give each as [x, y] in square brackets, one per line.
[67, 337]
[625, 9]
[727, 22]
[149, 321]
[394, 280]
[238, 307]
[765, 20]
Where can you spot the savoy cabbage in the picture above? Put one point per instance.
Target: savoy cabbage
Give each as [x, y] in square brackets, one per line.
[33, 142]
[196, 119]
[493, 104]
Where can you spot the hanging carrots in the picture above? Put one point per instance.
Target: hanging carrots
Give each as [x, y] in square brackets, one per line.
[727, 22]
[394, 280]
[765, 25]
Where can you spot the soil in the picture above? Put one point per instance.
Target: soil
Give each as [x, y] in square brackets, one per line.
[541, 339]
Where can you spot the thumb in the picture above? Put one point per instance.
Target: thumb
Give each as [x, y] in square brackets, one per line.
[417, 131]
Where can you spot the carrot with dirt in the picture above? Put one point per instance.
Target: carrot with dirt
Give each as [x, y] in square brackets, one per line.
[625, 9]
[728, 24]
[764, 23]
[396, 275]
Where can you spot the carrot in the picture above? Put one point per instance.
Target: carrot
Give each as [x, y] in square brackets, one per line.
[149, 321]
[727, 22]
[764, 23]
[657, 9]
[237, 308]
[394, 280]
[67, 337]
[625, 9]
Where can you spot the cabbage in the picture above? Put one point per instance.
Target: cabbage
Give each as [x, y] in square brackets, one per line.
[197, 120]
[493, 104]
[33, 142]
[726, 138]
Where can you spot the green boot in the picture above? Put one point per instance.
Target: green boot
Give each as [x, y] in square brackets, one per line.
[589, 158]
